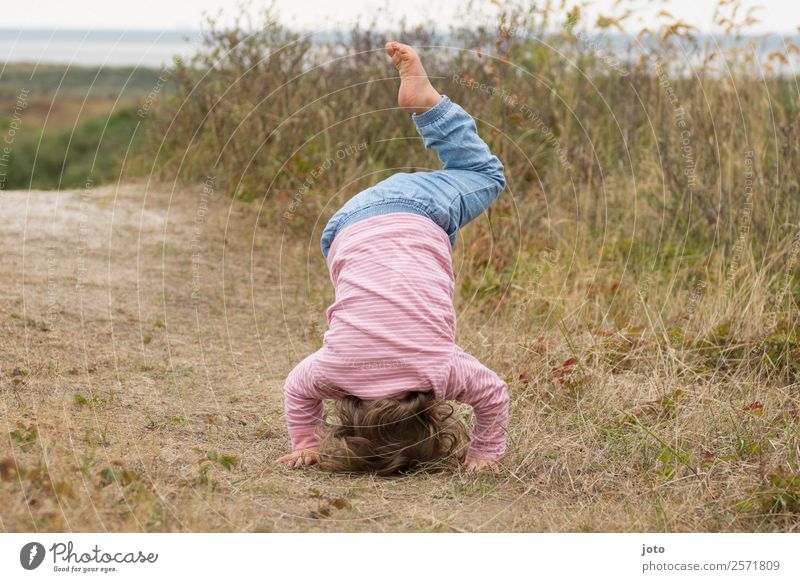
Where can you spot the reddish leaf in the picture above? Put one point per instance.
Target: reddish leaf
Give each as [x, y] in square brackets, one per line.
[756, 408]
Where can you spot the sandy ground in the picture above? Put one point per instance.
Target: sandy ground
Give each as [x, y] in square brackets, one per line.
[146, 335]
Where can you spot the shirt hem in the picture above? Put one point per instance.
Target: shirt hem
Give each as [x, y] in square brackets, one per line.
[403, 207]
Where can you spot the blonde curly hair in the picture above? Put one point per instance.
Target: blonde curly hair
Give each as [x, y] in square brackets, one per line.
[391, 435]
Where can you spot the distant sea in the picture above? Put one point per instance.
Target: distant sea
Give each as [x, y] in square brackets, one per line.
[144, 48]
[153, 48]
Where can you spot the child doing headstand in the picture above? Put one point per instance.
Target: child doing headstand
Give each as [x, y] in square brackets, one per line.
[389, 358]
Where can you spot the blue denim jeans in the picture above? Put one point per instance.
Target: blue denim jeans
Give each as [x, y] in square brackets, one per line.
[470, 179]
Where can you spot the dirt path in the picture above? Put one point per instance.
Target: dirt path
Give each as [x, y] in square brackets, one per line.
[145, 340]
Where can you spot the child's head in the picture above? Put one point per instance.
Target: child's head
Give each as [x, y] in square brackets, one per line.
[391, 435]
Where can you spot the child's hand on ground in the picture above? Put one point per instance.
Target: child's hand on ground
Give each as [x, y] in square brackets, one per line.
[300, 458]
[475, 465]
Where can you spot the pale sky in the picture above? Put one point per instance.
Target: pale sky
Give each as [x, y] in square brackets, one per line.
[777, 15]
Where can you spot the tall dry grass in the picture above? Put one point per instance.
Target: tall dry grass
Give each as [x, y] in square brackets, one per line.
[638, 281]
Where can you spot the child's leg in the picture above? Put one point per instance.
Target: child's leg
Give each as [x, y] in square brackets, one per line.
[467, 162]
[471, 177]
[447, 128]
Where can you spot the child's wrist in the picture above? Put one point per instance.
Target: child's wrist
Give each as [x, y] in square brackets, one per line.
[307, 440]
[483, 456]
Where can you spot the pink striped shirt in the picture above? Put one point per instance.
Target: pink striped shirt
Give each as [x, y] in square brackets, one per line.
[392, 331]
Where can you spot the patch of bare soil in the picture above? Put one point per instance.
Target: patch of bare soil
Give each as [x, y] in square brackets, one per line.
[145, 338]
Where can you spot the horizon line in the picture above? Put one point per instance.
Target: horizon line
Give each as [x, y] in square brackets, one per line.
[196, 31]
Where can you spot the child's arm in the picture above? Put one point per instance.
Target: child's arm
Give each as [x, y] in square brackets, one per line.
[473, 383]
[303, 409]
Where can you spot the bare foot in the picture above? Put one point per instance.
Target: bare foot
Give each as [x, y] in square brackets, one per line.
[416, 92]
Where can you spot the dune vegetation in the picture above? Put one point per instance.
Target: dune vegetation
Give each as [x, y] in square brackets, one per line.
[637, 284]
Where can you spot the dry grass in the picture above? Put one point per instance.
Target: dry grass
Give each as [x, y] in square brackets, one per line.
[127, 405]
[646, 323]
